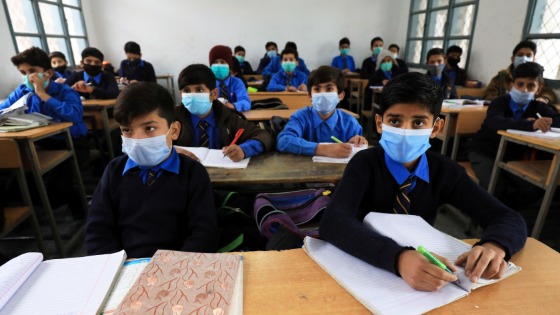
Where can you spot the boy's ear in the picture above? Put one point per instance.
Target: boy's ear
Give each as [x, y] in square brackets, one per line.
[341, 95]
[175, 130]
[512, 59]
[437, 127]
[378, 123]
[214, 94]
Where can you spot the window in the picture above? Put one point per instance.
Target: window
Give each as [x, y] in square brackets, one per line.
[53, 25]
[439, 23]
[542, 26]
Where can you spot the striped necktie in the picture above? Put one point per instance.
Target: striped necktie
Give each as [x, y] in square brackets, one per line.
[203, 141]
[402, 202]
[151, 177]
[344, 63]
[224, 90]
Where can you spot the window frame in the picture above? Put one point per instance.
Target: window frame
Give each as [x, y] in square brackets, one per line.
[531, 6]
[42, 35]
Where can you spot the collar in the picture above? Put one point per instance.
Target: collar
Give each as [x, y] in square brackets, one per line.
[515, 107]
[171, 164]
[387, 73]
[227, 80]
[332, 121]
[210, 119]
[97, 78]
[373, 58]
[401, 173]
[140, 63]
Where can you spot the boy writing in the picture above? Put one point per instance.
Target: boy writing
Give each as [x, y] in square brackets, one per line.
[400, 176]
[152, 198]
[245, 66]
[93, 82]
[370, 63]
[309, 128]
[133, 68]
[206, 122]
[344, 61]
[231, 90]
[60, 66]
[288, 79]
[435, 61]
[271, 52]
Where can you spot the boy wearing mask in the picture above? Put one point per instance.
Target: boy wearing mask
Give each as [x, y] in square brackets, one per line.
[271, 52]
[244, 65]
[436, 63]
[452, 60]
[395, 49]
[60, 66]
[93, 83]
[370, 63]
[133, 68]
[344, 61]
[288, 79]
[275, 64]
[231, 90]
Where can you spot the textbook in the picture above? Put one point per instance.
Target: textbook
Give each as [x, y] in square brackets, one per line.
[126, 278]
[539, 134]
[326, 159]
[29, 285]
[382, 292]
[187, 283]
[215, 158]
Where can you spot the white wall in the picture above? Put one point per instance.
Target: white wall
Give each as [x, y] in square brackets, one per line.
[9, 76]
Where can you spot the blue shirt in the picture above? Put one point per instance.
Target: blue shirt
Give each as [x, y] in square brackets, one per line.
[306, 129]
[63, 106]
[237, 94]
[451, 72]
[278, 81]
[338, 62]
[401, 173]
[97, 78]
[517, 110]
[387, 74]
[275, 65]
[170, 164]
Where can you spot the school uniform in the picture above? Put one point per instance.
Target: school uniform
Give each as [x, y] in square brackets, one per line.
[376, 79]
[245, 67]
[175, 212]
[306, 129]
[63, 75]
[281, 80]
[369, 65]
[344, 62]
[500, 83]
[458, 75]
[236, 92]
[446, 85]
[402, 65]
[371, 182]
[105, 85]
[275, 65]
[263, 63]
[139, 71]
[223, 124]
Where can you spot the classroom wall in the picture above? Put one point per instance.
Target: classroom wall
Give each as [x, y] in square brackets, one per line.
[9, 76]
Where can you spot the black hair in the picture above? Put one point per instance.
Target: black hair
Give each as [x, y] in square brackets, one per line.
[91, 51]
[271, 44]
[412, 88]
[197, 74]
[57, 54]
[33, 56]
[433, 52]
[287, 51]
[325, 74]
[132, 48]
[530, 70]
[238, 49]
[142, 98]
[525, 44]
[395, 46]
[343, 41]
[454, 49]
[291, 45]
[374, 40]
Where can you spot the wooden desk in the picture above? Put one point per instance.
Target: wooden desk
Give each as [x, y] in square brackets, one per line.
[98, 110]
[255, 84]
[266, 114]
[278, 168]
[41, 161]
[294, 100]
[474, 92]
[543, 174]
[289, 282]
[255, 77]
[459, 121]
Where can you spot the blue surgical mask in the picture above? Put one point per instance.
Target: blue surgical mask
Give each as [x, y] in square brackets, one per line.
[521, 98]
[324, 103]
[240, 58]
[221, 71]
[386, 66]
[377, 50]
[436, 71]
[289, 66]
[404, 145]
[197, 103]
[29, 85]
[521, 59]
[148, 151]
[344, 51]
[271, 54]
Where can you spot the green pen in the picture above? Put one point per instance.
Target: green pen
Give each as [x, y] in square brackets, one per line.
[435, 261]
[336, 139]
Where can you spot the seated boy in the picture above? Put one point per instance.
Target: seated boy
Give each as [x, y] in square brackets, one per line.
[275, 64]
[344, 61]
[206, 122]
[245, 66]
[452, 59]
[60, 66]
[231, 90]
[387, 68]
[435, 61]
[152, 198]
[309, 128]
[370, 63]
[133, 68]
[93, 82]
[395, 49]
[271, 52]
[385, 177]
[288, 79]
[516, 110]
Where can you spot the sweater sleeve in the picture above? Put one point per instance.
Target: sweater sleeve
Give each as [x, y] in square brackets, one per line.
[276, 84]
[69, 108]
[110, 89]
[243, 102]
[497, 120]
[13, 97]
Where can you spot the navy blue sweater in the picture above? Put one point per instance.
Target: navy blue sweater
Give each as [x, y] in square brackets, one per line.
[177, 212]
[106, 89]
[367, 185]
[143, 71]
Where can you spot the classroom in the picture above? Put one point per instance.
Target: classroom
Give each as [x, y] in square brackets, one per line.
[270, 118]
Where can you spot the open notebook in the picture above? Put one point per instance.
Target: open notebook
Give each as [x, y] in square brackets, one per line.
[326, 159]
[58, 286]
[215, 158]
[381, 291]
[553, 134]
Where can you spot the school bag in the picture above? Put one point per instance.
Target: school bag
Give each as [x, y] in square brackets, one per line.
[268, 103]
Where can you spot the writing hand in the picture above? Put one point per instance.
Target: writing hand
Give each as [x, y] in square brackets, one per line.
[542, 124]
[486, 260]
[421, 274]
[234, 152]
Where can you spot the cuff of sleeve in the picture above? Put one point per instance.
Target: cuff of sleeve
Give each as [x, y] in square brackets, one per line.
[310, 149]
[396, 263]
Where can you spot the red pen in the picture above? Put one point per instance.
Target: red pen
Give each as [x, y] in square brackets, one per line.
[237, 135]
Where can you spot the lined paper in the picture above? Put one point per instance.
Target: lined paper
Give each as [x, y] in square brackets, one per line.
[215, 158]
[326, 159]
[15, 272]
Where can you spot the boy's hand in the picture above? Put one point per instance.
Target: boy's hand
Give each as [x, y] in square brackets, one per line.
[542, 124]
[81, 86]
[291, 89]
[234, 152]
[60, 80]
[187, 153]
[486, 260]
[358, 140]
[336, 150]
[422, 275]
[385, 81]
[39, 87]
[302, 87]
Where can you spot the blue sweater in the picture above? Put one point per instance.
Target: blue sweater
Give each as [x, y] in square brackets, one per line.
[237, 93]
[275, 65]
[143, 71]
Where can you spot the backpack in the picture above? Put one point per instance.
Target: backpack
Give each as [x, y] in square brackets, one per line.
[274, 125]
[268, 103]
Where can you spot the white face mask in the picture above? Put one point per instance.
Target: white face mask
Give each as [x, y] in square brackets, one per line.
[147, 151]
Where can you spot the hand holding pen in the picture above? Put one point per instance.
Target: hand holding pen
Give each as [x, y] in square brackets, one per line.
[233, 151]
[542, 123]
[421, 274]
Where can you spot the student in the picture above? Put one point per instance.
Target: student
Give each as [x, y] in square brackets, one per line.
[452, 60]
[524, 51]
[516, 110]
[436, 63]
[387, 68]
[60, 66]
[288, 79]
[133, 68]
[370, 63]
[236, 71]
[245, 66]
[231, 90]
[152, 198]
[344, 61]
[206, 122]
[395, 49]
[271, 52]
[93, 82]
[275, 64]
[309, 128]
[385, 177]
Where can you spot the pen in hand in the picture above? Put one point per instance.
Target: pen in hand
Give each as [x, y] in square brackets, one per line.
[539, 115]
[336, 139]
[237, 135]
[436, 261]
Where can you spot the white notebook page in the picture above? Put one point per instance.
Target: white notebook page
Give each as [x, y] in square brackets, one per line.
[15, 272]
